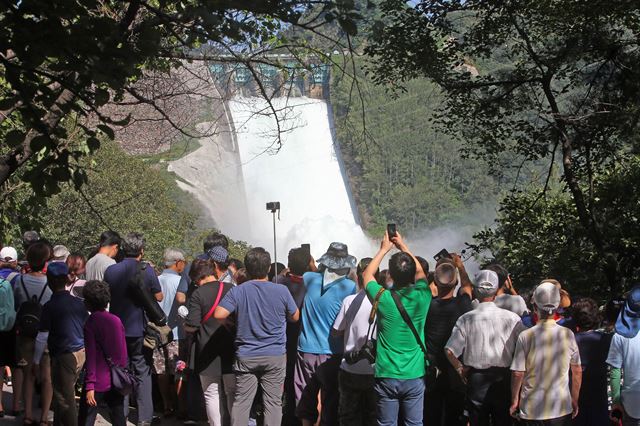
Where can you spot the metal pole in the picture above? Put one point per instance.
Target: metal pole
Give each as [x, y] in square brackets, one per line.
[275, 253]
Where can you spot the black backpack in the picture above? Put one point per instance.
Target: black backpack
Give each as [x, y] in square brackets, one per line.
[28, 316]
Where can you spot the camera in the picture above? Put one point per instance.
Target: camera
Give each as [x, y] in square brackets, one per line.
[442, 254]
[368, 352]
[273, 206]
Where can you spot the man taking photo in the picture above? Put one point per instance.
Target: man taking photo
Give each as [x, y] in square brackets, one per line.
[402, 310]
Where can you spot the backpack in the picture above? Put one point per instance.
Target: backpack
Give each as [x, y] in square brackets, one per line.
[7, 307]
[28, 315]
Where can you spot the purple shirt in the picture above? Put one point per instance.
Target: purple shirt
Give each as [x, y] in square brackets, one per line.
[103, 331]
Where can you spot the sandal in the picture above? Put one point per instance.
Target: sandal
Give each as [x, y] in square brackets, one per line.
[28, 421]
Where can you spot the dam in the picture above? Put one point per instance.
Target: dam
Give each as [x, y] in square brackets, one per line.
[235, 173]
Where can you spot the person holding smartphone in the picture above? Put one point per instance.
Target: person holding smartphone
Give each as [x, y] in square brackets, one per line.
[401, 358]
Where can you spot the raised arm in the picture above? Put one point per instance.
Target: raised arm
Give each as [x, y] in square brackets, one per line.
[466, 284]
[369, 274]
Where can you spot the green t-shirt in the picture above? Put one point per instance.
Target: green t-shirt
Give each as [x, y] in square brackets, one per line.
[398, 354]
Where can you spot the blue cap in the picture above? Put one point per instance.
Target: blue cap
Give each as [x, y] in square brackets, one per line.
[218, 254]
[628, 323]
[57, 269]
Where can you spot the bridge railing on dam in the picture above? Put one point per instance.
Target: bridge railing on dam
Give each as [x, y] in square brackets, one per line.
[279, 76]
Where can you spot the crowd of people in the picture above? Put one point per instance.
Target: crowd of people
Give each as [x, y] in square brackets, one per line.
[332, 341]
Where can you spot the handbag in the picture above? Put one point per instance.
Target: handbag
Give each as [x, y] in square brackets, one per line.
[122, 379]
[407, 320]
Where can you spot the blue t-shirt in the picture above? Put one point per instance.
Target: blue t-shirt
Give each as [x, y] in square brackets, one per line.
[122, 305]
[321, 306]
[63, 316]
[169, 282]
[262, 309]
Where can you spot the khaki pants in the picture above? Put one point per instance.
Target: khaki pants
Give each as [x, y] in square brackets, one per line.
[65, 369]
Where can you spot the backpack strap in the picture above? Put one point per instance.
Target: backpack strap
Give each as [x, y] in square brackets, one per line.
[355, 305]
[215, 304]
[407, 320]
[24, 288]
[44, 288]
[11, 276]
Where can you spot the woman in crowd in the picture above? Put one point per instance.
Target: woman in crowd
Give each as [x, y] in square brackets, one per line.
[27, 287]
[594, 348]
[77, 268]
[103, 339]
[213, 354]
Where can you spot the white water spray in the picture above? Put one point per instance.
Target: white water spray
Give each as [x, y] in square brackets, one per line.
[304, 176]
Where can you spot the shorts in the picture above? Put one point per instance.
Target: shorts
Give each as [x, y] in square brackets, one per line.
[25, 346]
[166, 358]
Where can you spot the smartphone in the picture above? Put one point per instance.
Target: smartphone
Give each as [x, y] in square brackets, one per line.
[442, 254]
[306, 248]
[391, 230]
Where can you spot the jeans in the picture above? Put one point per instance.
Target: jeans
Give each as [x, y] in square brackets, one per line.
[140, 364]
[113, 399]
[398, 395]
[357, 399]
[317, 373]
[65, 369]
[488, 396]
[218, 397]
[269, 372]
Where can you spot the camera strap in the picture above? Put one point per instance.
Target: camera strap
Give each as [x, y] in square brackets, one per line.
[372, 316]
[407, 320]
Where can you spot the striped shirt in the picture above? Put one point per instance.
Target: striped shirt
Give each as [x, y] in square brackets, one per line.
[545, 353]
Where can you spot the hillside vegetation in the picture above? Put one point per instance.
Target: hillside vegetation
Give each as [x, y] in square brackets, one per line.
[401, 168]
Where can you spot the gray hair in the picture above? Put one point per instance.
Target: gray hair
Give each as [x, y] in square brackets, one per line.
[133, 244]
[172, 255]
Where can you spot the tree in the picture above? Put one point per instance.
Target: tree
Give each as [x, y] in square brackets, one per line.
[553, 81]
[62, 62]
[123, 194]
[547, 240]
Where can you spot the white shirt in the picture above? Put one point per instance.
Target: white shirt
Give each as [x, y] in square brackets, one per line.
[355, 327]
[625, 353]
[486, 336]
[513, 303]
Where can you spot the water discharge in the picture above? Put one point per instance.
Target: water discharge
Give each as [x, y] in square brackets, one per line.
[235, 173]
[304, 176]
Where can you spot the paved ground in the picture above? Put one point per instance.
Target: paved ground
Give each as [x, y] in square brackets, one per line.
[7, 398]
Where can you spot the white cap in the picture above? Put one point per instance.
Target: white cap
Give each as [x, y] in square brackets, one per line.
[486, 283]
[8, 254]
[547, 297]
[60, 253]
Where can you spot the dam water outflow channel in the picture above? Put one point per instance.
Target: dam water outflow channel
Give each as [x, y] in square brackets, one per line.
[234, 173]
[304, 176]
